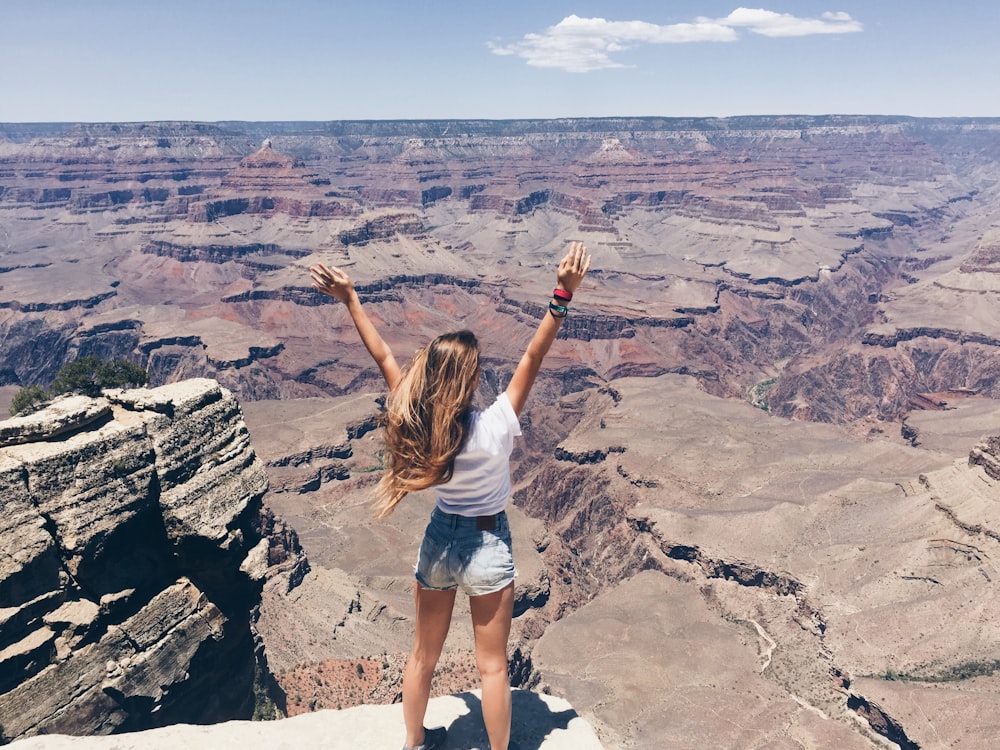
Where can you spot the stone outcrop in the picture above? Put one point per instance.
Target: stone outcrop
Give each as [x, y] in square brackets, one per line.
[987, 455]
[382, 227]
[132, 556]
[68, 414]
[218, 253]
[541, 722]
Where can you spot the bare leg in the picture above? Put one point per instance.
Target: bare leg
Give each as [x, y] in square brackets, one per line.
[433, 620]
[491, 617]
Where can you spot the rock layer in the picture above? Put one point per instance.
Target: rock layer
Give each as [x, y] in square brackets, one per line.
[844, 261]
[126, 582]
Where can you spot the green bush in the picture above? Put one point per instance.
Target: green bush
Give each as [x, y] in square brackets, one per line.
[265, 709]
[27, 400]
[87, 375]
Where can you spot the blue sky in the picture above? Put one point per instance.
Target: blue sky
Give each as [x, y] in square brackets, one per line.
[210, 60]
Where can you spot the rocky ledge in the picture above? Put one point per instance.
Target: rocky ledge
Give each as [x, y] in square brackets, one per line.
[987, 455]
[131, 556]
[541, 722]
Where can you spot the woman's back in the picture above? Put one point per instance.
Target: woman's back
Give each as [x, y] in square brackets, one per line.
[480, 482]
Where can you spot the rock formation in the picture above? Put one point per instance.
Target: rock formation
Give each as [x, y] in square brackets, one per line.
[793, 251]
[132, 557]
[543, 722]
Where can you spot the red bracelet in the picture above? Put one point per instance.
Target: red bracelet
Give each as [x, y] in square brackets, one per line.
[562, 294]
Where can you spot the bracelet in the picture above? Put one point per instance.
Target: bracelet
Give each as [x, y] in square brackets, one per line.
[557, 310]
[562, 294]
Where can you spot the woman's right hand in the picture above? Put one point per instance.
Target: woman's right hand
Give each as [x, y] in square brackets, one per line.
[332, 281]
[573, 267]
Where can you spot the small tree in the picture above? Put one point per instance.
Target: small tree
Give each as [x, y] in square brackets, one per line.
[87, 375]
[121, 373]
[27, 400]
[78, 377]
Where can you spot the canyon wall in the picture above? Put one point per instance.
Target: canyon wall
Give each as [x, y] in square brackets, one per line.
[824, 263]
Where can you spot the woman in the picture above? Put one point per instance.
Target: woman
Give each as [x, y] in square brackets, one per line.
[434, 438]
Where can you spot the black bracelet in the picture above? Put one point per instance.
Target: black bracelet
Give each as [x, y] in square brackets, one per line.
[558, 311]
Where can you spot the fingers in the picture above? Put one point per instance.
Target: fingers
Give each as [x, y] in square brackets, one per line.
[573, 267]
[320, 273]
[577, 258]
[320, 278]
[330, 281]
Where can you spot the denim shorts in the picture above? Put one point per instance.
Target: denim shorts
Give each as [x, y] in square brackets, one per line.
[455, 553]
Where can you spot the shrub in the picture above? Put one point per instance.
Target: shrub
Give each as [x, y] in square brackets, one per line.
[27, 400]
[87, 375]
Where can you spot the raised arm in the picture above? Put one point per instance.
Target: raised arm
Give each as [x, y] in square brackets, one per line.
[572, 268]
[338, 285]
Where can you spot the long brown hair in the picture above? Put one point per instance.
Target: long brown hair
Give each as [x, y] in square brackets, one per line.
[426, 418]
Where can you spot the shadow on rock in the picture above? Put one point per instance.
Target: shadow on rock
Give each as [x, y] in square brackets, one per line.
[533, 720]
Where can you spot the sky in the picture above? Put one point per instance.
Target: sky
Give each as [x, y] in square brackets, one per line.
[214, 60]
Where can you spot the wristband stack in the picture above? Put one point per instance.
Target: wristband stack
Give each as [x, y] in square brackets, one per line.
[560, 300]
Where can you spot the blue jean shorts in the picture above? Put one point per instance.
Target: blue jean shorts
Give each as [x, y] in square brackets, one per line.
[456, 553]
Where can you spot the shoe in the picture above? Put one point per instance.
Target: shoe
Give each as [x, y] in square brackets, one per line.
[433, 739]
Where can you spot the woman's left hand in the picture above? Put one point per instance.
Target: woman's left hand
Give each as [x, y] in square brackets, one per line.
[332, 281]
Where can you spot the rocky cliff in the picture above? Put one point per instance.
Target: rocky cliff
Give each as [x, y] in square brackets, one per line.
[134, 547]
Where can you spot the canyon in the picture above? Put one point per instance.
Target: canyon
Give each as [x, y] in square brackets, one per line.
[754, 502]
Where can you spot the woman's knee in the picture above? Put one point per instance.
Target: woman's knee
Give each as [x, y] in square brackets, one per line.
[424, 658]
[491, 665]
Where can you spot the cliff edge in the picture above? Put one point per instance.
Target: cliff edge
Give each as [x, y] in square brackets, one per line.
[541, 722]
[131, 556]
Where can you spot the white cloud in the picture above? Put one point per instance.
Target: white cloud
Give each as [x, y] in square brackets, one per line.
[772, 24]
[579, 45]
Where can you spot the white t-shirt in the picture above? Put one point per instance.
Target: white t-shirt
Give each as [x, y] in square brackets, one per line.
[480, 484]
